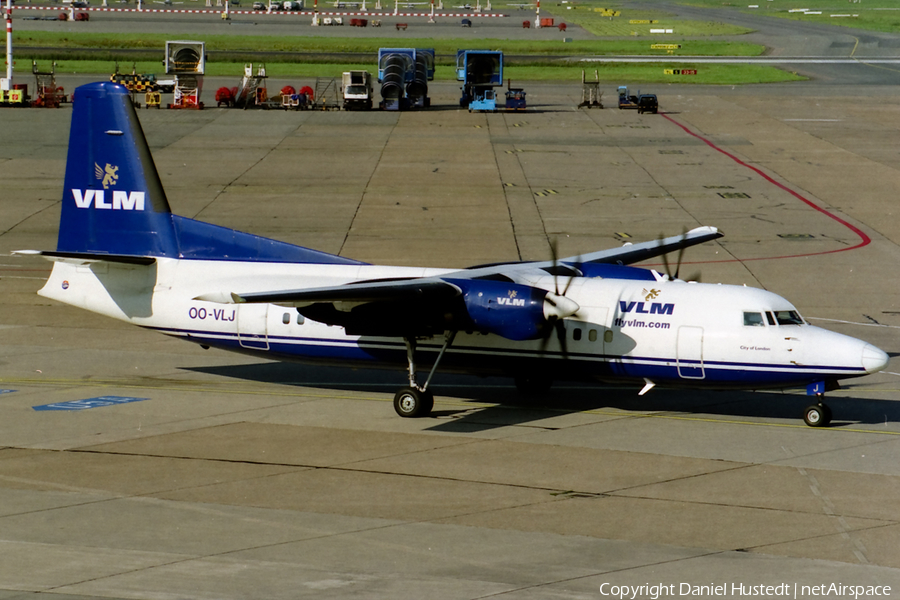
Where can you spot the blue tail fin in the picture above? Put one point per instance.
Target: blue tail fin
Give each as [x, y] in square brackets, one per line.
[114, 203]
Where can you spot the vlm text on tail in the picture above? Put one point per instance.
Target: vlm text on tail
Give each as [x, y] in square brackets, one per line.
[114, 205]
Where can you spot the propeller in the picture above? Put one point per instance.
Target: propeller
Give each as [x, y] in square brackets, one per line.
[557, 306]
[668, 267]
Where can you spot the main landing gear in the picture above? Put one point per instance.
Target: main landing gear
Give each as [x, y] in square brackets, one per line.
[817, 415]
[416, 400]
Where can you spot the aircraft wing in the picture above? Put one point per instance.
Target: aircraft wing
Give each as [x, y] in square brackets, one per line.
[623, 255]
[402, 290]
[494, 298]
[630, 254]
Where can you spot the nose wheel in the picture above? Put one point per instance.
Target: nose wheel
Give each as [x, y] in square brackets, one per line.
[817, 415]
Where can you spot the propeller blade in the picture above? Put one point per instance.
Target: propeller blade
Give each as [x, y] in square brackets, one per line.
[680, 252]
[665, 259]
[561, 336]
[554, 258]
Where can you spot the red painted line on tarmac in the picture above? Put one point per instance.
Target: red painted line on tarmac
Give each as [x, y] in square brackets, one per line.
[865, 240]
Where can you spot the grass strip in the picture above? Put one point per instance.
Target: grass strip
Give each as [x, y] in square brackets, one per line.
[235, 43]
[614, 73]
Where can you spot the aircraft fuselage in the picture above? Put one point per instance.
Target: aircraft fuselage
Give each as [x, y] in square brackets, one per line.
[668, 332]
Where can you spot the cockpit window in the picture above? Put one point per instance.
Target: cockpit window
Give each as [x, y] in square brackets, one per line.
[770, 318]
[753, 319]
[788, 317]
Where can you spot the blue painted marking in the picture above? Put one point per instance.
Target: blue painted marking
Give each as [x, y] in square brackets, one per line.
[89, 403]
[7, 391]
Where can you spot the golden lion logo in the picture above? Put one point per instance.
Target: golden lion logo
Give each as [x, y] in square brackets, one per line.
[110, 175]
[651, 295]
[513, 293]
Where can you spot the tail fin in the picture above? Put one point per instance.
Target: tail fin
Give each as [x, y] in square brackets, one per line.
[114, 203]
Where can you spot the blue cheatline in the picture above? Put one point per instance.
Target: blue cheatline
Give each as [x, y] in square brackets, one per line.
[8, 391]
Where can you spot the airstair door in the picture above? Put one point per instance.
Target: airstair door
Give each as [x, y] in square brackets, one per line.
[689, 353]
[252, 326]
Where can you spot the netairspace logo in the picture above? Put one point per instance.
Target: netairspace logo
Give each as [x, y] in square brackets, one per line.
[734, 590]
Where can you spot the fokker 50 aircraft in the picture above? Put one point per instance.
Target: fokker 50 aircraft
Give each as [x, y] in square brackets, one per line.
[122, 253]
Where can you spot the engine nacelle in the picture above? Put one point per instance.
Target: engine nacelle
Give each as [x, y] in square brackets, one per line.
[510, 310]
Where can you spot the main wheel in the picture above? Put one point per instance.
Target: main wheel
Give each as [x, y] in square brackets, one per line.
[817, 415]
[410, 402]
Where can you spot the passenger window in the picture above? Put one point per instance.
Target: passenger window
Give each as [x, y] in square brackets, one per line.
[788, 317]
[592, 335]
[753, 319]
[286, 318]
[300, 319]
[576, 334]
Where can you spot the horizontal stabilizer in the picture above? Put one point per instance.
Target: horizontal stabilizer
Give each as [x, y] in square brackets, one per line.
[84, 258]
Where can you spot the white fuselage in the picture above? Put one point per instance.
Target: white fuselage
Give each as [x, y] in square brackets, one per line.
[664, 331]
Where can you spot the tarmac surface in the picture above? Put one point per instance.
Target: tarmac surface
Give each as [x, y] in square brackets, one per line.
[230, 477]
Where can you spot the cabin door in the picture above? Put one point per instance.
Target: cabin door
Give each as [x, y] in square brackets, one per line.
[689, 353]
[252, 328]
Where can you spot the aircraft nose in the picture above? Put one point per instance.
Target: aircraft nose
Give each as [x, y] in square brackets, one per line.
[873, 359]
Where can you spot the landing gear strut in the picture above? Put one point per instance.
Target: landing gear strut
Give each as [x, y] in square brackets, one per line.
[817, 415]
[416, 400]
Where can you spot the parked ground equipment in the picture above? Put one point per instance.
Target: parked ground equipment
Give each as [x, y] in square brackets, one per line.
[356, 88]
[515, 97]
[590, 92]
[186, 61]
[136, 83]
[226, 96]
[648, 103]
[49, 95]
[627, 100]
[252, 91]
[480, 71]
[17, 96]
[404, 74]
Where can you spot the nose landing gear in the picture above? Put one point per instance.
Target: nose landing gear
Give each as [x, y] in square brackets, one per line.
[817, 415]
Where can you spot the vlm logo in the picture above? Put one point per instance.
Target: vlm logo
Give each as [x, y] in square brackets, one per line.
[511, 300]
[656, 308]
[120, 200]
[109, 175]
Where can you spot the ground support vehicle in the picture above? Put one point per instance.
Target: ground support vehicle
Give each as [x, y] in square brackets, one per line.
[648, 103]
[480, 71]
[627, 100]
[356, 89]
